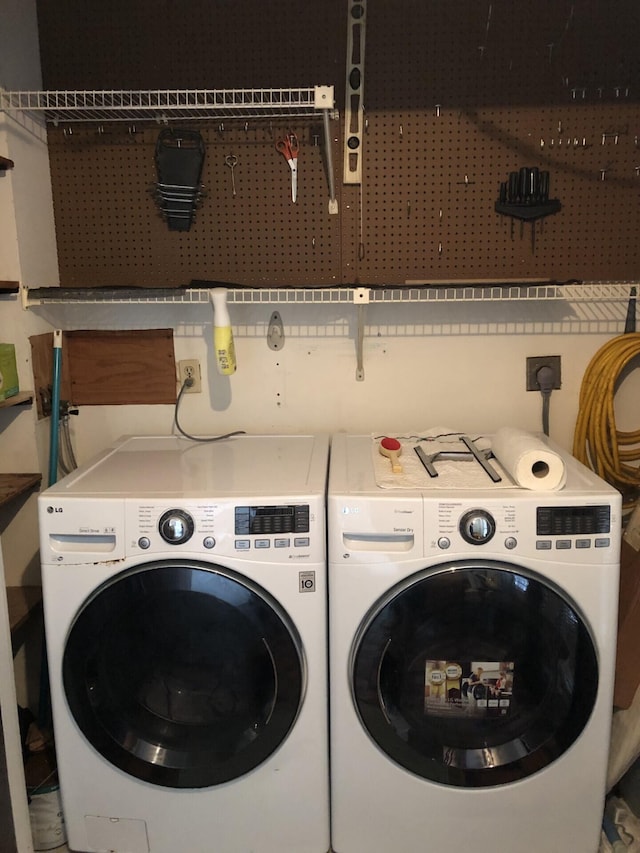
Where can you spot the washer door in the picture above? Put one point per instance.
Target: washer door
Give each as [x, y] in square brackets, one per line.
[183, 674]
[474, 674]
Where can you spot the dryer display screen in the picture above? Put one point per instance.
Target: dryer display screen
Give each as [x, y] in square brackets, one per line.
[271, 519]
[573, 520]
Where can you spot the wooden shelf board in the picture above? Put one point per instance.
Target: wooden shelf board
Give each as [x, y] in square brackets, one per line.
[13, 485]
[19, 399]
[22, 601]
[9, 286]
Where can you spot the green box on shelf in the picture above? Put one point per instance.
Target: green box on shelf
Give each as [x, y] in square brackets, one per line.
[8, 372]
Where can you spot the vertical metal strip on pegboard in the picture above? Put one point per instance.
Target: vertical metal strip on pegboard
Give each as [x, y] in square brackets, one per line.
[354, 88]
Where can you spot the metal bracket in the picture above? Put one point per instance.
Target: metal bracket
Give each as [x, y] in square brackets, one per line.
[360, 298]
[360, 345]
[275, 332]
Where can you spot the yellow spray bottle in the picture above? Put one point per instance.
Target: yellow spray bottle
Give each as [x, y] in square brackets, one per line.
[223, 346]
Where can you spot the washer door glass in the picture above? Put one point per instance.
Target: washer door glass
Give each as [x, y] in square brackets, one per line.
[183, 674]
[474, 674]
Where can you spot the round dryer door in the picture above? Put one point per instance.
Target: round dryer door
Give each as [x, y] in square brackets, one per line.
[474, 674]
[183, 674]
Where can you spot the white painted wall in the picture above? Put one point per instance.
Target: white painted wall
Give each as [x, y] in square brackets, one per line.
[459, 365]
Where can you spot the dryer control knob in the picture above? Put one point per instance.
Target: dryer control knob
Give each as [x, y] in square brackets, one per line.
[176, 526]
[477, 526]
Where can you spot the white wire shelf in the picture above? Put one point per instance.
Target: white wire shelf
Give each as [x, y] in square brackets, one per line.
[574, 292]
[163, 106]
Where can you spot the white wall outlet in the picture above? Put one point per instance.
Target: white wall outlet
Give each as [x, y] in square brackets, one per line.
[189, 368]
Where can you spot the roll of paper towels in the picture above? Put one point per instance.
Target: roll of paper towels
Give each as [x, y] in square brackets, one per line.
[528, 460]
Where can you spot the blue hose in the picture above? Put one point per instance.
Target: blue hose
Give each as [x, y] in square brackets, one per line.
[55, 406]
[612, 835]
[44, 703]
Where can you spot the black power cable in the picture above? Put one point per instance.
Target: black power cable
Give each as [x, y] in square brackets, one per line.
[187, 384]
[545, 377]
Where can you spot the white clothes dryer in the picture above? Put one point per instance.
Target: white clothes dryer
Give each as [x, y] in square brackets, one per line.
[472, 650]
[185, 610]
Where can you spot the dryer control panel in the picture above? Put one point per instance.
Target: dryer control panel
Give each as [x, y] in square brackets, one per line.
[579, 530]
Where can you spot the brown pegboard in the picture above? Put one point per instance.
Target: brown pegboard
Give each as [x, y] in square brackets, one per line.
[199, 44]
[457, 95]
[431, 181]
[110, 231]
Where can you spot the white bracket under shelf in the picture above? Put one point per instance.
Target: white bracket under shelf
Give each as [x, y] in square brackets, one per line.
[360, 299]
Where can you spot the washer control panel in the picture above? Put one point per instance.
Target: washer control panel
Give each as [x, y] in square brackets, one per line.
[267, 532]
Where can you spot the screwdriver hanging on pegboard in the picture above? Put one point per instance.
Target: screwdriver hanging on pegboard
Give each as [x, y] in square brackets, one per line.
[525, 196]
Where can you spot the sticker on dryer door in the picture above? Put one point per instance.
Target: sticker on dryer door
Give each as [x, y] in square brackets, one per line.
[468, 688]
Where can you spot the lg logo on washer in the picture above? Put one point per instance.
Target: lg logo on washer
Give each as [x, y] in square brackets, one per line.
[51, 509]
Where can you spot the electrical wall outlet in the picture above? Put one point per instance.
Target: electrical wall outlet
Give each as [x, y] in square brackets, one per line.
[535, 362]
[189, 368]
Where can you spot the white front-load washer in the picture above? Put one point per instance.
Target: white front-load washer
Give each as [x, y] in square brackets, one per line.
[472, 649]
[185, 610]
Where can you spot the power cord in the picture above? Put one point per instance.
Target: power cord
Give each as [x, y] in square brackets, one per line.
[187, 384]
[545, 378]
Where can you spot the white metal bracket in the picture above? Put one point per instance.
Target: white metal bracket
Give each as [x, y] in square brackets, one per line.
[360, 298]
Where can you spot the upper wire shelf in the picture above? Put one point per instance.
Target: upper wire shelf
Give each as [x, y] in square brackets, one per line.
[586, 292]
[162, 105]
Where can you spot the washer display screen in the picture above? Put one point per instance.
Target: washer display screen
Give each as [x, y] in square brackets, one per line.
[271, 519]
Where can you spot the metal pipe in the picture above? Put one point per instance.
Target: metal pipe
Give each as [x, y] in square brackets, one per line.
[55, 406]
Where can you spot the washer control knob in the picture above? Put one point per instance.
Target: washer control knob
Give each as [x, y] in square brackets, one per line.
[209, 542]
[176, 526]
[444, 542]
[144, 542]
[477, 526]
[510, 543]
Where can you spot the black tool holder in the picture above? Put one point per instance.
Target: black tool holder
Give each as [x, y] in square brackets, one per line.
[179, 161]
[525, 195]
